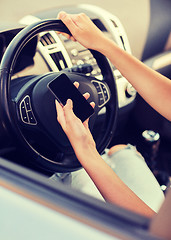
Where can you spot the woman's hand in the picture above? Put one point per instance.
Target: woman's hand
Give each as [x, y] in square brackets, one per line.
[77, 132]
[83, 30]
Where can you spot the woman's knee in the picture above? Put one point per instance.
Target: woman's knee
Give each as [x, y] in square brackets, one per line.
[116, 148]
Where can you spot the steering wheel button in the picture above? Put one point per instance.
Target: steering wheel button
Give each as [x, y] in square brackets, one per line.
[103, 87]
[31, 117]
[105, 92]
[101, 99]
[101, 102]
[106, 95]
[24, 117]
[98, 88]
[27, 103]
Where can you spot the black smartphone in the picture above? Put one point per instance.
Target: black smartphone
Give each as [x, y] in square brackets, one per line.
[64, 89]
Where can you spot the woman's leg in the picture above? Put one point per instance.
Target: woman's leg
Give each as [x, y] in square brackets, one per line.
[80, 181]
[130, 166]
[132, 169]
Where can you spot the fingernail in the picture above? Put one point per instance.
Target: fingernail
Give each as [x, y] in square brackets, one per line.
[69, 101]
[76, 83]
[87, 93]
[93, 104]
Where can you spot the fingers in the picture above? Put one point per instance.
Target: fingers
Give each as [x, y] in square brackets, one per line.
[69, 114]
[92, 104]
[82, 30]
[67, 36]
[76, 84]
[65, 114]
[87, 120]
[69, 104]
[70, 117]
[67, 20]
[86, 95]
[68, 109]
[64, 17]
[60, 114]
[61, 14]
[58, 108]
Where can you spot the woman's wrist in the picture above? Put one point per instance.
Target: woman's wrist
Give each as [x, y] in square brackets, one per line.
[86, 154]
[104, 46]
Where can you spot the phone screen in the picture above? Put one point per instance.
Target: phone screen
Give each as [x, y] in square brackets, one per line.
[64, 89]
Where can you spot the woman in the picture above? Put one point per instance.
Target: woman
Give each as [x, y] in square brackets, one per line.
[114, 183]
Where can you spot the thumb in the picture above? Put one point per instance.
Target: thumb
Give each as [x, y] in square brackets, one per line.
[68, 110]
[69, 104]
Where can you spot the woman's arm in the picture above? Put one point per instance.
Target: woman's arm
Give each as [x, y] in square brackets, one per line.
[108, 183]
[152, 86]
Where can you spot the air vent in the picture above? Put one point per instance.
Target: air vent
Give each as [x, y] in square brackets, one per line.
[47, 39]
[58, 58]
[51, 48]
[119, 33]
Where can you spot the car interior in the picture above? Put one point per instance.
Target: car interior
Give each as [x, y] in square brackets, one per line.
[33, 54]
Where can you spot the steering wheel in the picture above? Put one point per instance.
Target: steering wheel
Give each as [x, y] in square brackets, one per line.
[28, 111]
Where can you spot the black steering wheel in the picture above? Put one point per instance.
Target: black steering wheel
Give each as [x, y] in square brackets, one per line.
[28, 111]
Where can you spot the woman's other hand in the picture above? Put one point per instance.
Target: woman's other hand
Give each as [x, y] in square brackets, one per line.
[83, 30]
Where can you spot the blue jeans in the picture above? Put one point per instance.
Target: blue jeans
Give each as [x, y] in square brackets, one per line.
[132, 170]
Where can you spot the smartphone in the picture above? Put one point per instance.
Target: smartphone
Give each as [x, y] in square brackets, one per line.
[64, 89]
